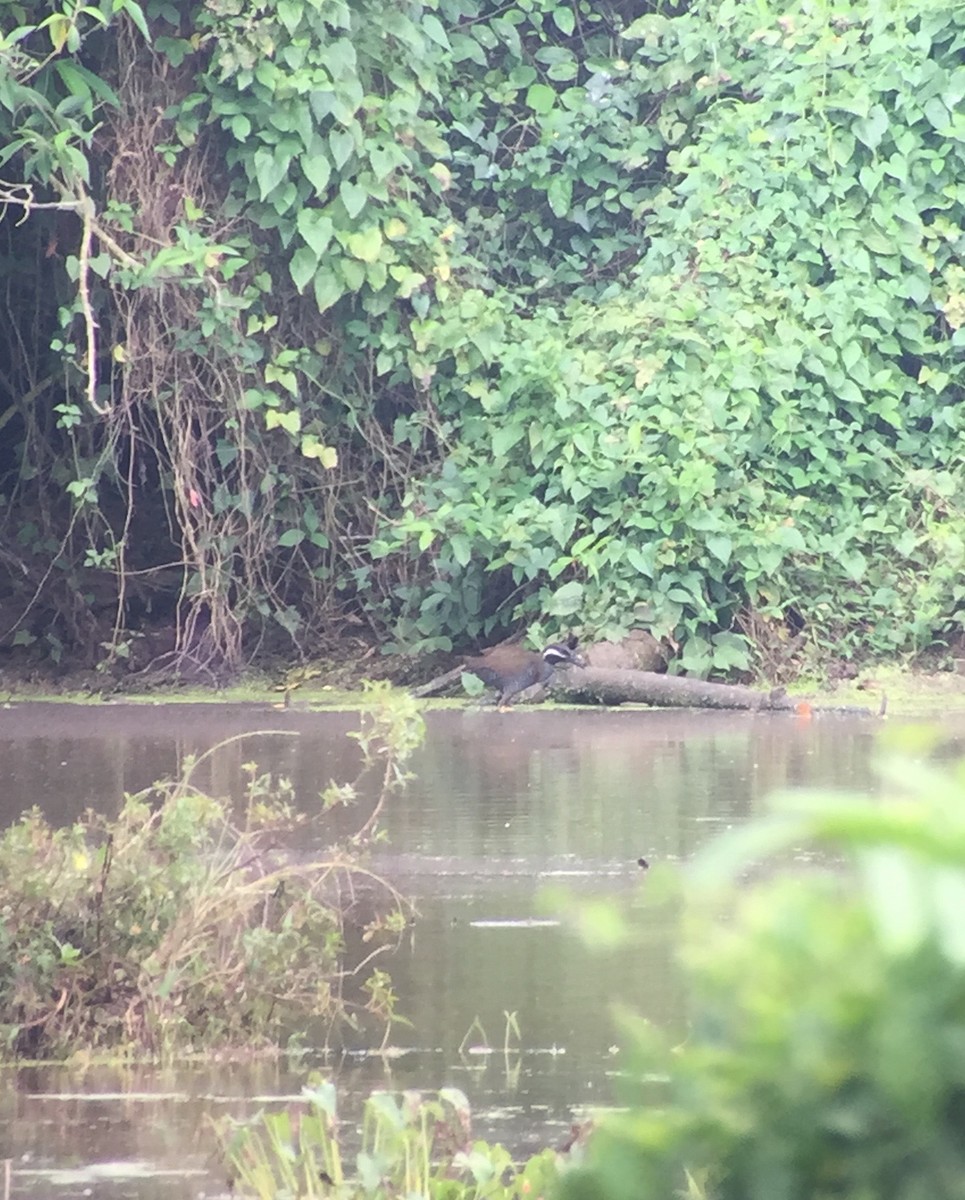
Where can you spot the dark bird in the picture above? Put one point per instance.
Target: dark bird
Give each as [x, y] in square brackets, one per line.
[512, 669]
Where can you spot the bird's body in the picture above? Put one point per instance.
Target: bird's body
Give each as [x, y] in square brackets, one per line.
[512, 669]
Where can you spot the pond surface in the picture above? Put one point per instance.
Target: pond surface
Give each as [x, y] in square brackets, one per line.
[503, 806]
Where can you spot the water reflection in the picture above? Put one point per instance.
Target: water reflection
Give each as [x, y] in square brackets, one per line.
[502, 805]
[606, 787]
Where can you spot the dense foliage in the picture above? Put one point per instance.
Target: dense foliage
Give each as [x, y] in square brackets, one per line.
[826, 1050]
[448, 315]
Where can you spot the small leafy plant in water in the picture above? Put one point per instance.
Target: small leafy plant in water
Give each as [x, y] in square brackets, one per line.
[182, 924]
[407, 1146]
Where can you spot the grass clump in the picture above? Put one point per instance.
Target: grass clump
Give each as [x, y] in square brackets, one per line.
[183, 924]
[407, 1146]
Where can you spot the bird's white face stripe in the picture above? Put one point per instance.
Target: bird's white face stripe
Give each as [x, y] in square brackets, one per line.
[557, 654]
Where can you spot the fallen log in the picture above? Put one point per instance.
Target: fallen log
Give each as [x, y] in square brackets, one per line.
[439, 684]
[621, 685]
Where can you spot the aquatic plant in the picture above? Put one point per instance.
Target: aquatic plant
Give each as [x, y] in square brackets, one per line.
[827, 1049]
[406, 1146]
[184, 923]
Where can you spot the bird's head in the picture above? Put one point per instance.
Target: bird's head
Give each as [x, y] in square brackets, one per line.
[564, 654]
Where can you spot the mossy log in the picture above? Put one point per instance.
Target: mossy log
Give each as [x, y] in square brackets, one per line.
[624, 685]
[615, 685]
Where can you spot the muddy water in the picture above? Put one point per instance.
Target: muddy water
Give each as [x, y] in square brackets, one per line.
[503, 1001]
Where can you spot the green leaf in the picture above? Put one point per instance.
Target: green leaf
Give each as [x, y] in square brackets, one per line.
[560, 194]
[472, 684]
[461, 549]
[433, 27]
[409, 281]
[914, 286]
[136, 13]
[383, 160]
[82, 82]
[871, 129]
[937, 114]
[790, 537]
[731, 652]
[849, 391]
[641, 558]
[650, 25]
[302, 266]
[354, 197]
[841, 149]
[505, 437]
[291, 537]
[328, 289]
[466, 47]
[58, 28]
[290, 14]
[353, 273]
[313, 447]
[290, 421]
[316, 169]
[851, 352]
[720, 546]
[566, 600]
[316, 229]
[75, 83]
[540, 98]
[342, 145]
[564, 71]
[564, 20]
[341, 61]
[366, 244]
[271, 167]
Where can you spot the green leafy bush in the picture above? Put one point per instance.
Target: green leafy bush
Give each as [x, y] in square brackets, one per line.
[751, 433]
[472, 314]
[180, 924]
[827, 1050]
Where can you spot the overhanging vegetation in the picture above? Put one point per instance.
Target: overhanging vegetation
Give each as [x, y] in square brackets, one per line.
[448, 316]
